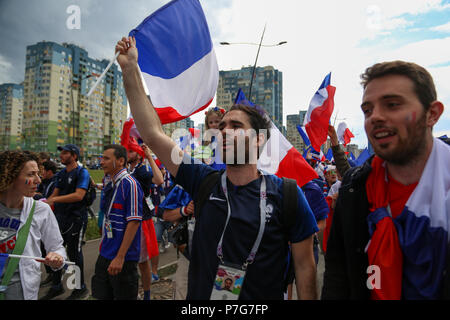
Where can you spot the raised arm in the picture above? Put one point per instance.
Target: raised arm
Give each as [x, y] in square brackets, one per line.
[144, 114]
[158, 178]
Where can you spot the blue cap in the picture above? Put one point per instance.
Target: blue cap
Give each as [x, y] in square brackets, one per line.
[72, 148]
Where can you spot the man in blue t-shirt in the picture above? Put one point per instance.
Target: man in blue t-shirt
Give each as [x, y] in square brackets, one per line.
[70, 209]
[240, 222]
[116, 275]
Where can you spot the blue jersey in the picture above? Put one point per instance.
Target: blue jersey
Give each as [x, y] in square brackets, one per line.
[67, 183]
[264, 278]
[316, 200]
[144, 175]
[126, 206]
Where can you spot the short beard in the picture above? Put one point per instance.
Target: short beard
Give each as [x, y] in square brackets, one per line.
[409, 151]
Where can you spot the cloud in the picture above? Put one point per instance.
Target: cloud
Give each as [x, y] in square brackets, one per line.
[442, 28]
[6, 68]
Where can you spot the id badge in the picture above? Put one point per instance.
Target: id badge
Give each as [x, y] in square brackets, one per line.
[108, 228]
[228, 283]
[149, 203]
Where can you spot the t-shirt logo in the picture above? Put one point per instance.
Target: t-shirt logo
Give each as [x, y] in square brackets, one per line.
[70, 180]
[269, 212]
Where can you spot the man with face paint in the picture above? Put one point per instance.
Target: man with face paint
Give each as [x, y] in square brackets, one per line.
[389, 238]
[116, 276]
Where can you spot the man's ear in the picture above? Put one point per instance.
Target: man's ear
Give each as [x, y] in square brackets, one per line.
[261, 139]
[434, 113]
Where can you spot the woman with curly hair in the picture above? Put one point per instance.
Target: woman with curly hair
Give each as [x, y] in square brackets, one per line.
[24, 223]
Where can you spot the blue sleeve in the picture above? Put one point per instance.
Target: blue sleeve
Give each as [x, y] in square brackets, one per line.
[83, 179]
[176, 198]
[133, 199]
[305, 225]
[190, 174]
[316, 200]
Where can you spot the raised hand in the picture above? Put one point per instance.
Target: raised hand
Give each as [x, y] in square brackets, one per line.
[128, 52]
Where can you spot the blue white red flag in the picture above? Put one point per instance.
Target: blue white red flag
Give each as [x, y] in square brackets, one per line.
[319, 113]
[415, 270]
[363, 157]
[287, 161]
[177, 59]
[344, 134]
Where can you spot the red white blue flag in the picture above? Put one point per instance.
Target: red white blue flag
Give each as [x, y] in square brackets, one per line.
[177, 59]
[344, 134]
[319, 113]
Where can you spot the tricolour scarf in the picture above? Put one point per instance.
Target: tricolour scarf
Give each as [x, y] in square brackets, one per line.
[410, 250]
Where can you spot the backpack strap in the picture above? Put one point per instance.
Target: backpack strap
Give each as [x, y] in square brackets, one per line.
[22, 236]
[289, 204]
[204, 191]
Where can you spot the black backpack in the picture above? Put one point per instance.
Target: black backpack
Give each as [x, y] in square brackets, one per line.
[91, 192]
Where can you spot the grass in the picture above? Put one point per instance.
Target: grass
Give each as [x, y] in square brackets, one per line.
[96, 175]
[92, 230]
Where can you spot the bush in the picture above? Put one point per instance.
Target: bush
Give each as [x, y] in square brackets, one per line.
[92, 230]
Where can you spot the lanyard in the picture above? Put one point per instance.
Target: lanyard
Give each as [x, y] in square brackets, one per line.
[262, 207]
[116, 185]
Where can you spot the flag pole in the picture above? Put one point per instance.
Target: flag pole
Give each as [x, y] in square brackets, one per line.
[103, 74]
[254, 66]
[40, 259]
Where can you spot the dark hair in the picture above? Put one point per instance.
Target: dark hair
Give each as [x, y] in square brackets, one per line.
[423, 82]
[257, 117]
[50, 165]
[11, 163]
[119, 151]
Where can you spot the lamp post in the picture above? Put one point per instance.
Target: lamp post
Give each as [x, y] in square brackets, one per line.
[257, 54]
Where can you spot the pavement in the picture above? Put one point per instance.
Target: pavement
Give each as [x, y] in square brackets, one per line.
[161, 290]
[90, 254]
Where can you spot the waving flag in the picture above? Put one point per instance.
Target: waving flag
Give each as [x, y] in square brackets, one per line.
[304, 136]
[177, 59]
[352, 156]
[288, 163]
[344, 134]
[363, 157]
[319, 113]
[129, 136]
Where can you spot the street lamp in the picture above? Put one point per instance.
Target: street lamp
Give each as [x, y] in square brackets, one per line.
[257, 54]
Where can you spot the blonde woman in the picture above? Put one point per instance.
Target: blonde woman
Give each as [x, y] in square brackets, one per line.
[19, 178]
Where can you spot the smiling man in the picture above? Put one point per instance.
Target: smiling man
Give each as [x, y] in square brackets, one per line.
[389, 238]
[239, 225]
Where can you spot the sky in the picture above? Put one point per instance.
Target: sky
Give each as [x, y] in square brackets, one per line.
[342, 37]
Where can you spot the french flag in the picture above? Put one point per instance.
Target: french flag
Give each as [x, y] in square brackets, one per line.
[344, 134]
[283, 160]
[319, 113]
[421, 234]
[177, 59]
[130, 137]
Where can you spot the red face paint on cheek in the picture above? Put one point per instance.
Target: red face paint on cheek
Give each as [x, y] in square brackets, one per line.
[411, 117]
